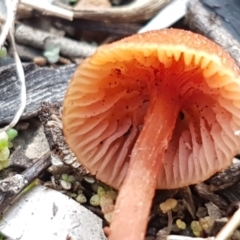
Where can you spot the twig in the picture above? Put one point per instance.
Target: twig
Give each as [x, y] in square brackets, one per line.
[47, 8]
[177, 237]
[136, 11]
[188, 201]
[229, 228]
[11, 187]
[19, 69]
[11, 11]
[170, 221]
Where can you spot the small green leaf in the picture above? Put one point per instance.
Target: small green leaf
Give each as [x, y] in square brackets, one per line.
[181, 224]
[3, 140]
[4, 154]
[5, 164]
[71, 178]
[12, 133]
[81, 198]
[95, 200]
[64, 177]
[3, 52]
[101, 191]
[73, 1]
[51, 52]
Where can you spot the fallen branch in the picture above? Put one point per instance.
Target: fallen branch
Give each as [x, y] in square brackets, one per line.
[37, 38]
[11, 187]
[43, 84]
[202, 21]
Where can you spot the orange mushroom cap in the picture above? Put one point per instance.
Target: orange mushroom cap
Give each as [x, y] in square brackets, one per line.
[108, 98]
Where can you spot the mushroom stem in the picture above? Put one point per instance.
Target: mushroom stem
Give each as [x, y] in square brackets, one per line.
[137, 191]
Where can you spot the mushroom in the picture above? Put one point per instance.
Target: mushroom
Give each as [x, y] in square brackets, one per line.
[154, 110]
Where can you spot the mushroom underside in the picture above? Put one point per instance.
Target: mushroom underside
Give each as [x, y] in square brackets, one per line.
[105, 118]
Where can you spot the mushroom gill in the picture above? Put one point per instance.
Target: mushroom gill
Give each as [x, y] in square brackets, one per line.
[154, 110]
[108, 98]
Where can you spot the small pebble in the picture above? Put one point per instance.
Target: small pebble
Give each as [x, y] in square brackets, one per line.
[40, 61]
[213, 211]
[56, 161]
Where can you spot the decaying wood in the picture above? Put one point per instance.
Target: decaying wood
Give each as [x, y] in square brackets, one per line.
[43, 84]
[227, 12]
[122, 29]
[136, 11]
[36, 38]
[232, 194]
[208, 23]
[226, 178]
[50, 116]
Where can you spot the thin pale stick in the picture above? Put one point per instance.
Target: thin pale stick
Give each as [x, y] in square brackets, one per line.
[177, 237]
[229, 228]
[11, 11]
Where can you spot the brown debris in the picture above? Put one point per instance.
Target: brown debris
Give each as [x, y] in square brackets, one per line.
[49, 115]
[188, 200]
[204, 192]
[226, 178]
